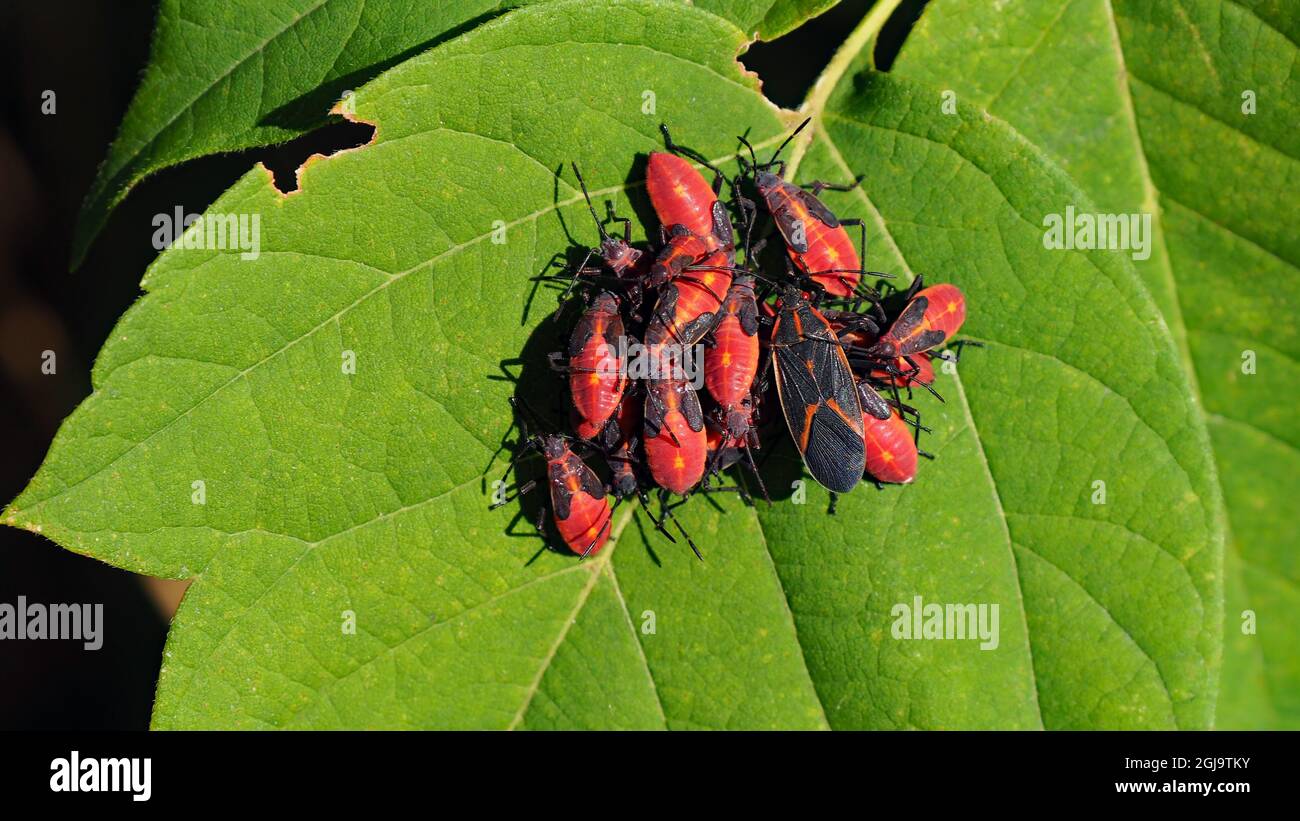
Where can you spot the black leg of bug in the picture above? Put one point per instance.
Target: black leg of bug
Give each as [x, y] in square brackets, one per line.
[667, 512]
[596, 540]
[817, 186]
[692, 154]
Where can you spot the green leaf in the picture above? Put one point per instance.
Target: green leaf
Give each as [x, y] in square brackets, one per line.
[767, 19]
[332, 496]
[1143, 103]
[226, 75]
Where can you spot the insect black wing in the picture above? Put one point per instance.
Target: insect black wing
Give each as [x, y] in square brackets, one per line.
[581, 335]
[820, 401]
[872, 403]
[836, 455]
[591, 484]
[560, 494]
[690, 406]
[816, 208]
[722, 225]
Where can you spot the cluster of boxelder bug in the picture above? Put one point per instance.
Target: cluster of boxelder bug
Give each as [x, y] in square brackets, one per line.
[838, 358]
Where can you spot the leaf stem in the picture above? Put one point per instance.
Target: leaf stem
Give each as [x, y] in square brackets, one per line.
[834, 72]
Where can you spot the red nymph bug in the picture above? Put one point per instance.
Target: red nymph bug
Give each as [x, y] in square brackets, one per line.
[891, 450]
[699, 244]
[814, 237]
[628, 263]
[932, 315]
[617, 440]
[731, 363]
[818, 394]
[680, 196]
[580, 507]
[675, 443]
[596, 374]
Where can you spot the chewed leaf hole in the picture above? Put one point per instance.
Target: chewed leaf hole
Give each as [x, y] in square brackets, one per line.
[284, 161]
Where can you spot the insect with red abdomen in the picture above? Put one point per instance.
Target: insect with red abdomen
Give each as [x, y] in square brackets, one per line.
[597, 378]
[731, 363]
[890, 449]
[932, 316]
[617, 441]
[815, 239]
[680, 196]
[580, 508]
[694, 268]
[675, 442]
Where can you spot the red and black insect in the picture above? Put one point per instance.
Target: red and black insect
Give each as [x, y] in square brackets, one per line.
[816, 240]
[629, 264]
[681, 197]
[597, 376]
[580, 508]
[818, 394]
[731, 361]
[675, 442]
[932, 316]
[617, 440]
[891, 449]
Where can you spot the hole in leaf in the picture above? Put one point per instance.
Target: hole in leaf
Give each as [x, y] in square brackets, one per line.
[285, 160]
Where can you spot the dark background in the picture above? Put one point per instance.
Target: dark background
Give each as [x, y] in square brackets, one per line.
[91, 54]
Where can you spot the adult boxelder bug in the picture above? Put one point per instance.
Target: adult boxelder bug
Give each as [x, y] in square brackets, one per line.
[580, 507]
[814, 237]
[818, 394]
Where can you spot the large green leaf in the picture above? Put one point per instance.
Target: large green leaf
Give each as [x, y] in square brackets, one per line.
[1145, 105]
[226, 75]
[330, 493]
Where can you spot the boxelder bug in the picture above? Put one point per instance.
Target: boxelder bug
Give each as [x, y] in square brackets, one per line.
[814, 237]
[731, 362]
[675, 442]
[694, 267]
[597, 377]
[891, 450]
[617, 440]
[817, 392]
[932, 315]
[580, 507]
